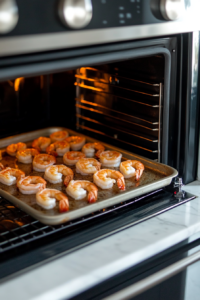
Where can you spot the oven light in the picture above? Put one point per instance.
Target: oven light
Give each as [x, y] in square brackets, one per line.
[17, 83]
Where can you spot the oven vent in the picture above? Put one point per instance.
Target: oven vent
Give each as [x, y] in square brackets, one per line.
[119, 109]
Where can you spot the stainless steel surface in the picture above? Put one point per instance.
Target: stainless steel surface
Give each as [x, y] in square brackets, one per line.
[155, 279]
[75, 13]
[172, 10]
[155, 176]
[53, 41]
[8, 15]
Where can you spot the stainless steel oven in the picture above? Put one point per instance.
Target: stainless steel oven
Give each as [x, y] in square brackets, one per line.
[123, 72]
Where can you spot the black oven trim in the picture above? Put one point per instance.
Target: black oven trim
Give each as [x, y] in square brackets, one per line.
[190, 108]
[58, 61]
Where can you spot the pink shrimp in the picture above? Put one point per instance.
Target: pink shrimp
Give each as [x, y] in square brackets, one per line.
[47, 199]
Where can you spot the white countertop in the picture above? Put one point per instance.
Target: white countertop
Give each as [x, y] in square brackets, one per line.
[88, 266]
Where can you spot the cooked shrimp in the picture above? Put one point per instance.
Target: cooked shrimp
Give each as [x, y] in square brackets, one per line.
[110, 159]
[58, 148]
[130, 168]
[42, 161]
[41, 143]
[105, 179]
[72, 157]
[13, 148]
[10, 176]
[31, 184]
[59, 136]
[90, 148]
[54, 174]
[76, 142]
[87, 166]
[77, 190]
[26, 156]
[47, 199]
[1, 167]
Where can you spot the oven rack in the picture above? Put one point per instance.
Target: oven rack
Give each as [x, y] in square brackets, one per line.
[116, 106]
[17, 228]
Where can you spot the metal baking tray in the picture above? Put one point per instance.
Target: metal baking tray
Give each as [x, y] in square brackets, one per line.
[155, 176]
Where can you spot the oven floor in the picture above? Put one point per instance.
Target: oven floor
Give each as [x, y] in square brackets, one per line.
[41, 243]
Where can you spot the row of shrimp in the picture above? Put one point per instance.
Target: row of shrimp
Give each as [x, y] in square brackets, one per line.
[46, 198]
[84, 162]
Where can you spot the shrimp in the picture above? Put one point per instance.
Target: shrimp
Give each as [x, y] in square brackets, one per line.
[105, 179]
[10, 176]
[1, 167]
[47, 199]
[41, 143]
[59, 135]
[26, 156]
[54, 174]
[76, 142]
[87, 166]
[90, 148]
[72, 157]
[110, 159]
[58, 148]
[31, 184]
[13, 148]
[130, 168]
[77, 190]
[42, 161]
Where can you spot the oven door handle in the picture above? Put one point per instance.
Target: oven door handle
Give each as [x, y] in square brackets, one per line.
[152, 280]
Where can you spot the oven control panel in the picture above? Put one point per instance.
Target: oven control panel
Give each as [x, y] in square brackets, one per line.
[22, 17]
[30, 26]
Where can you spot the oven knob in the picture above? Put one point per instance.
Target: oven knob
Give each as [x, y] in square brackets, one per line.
[172, 10]
[75, 13]
[8, 15]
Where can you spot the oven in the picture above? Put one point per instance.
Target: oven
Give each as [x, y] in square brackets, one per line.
[122, 72]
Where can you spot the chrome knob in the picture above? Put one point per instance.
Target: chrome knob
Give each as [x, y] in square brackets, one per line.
[75, 13]
[172, 10]
[8, 15]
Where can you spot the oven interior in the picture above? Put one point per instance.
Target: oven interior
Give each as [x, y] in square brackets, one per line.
[129, 103]
[118, 103]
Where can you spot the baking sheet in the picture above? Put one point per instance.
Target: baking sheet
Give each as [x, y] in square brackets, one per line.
[155, 176]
